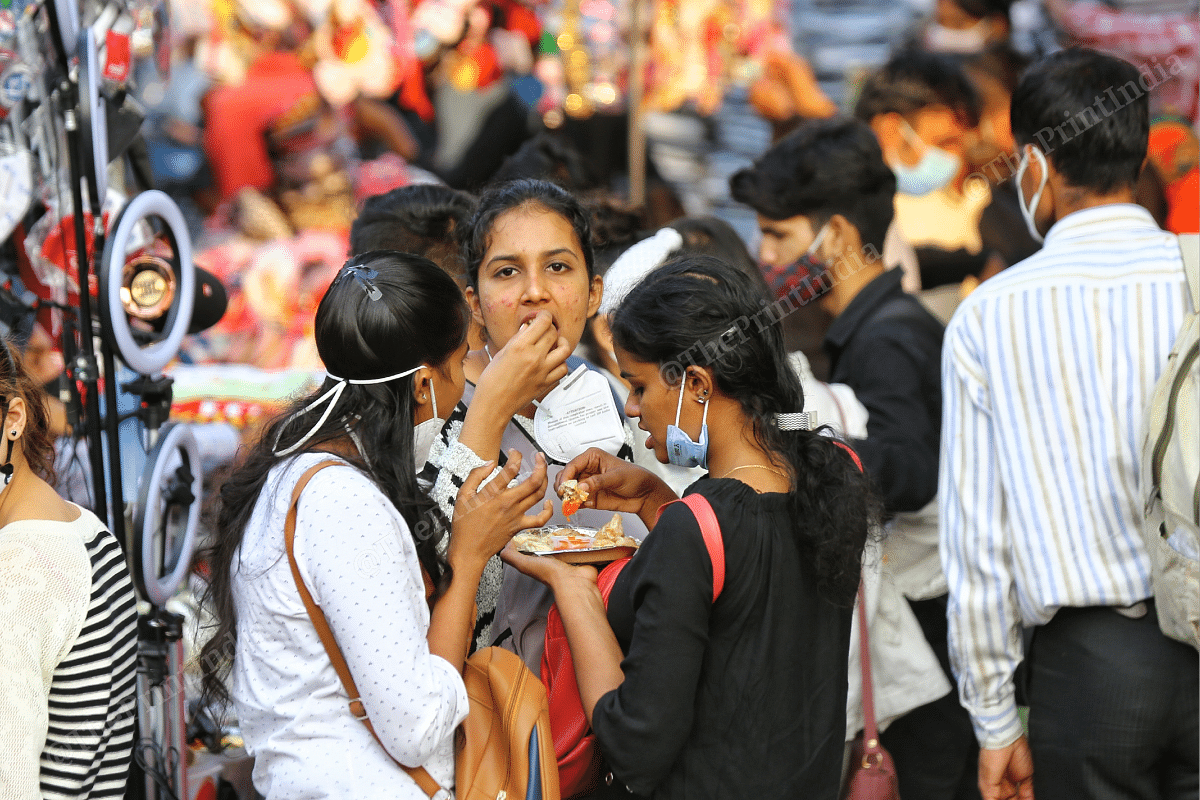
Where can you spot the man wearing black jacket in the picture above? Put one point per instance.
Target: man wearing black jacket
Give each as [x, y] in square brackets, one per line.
[824, 198]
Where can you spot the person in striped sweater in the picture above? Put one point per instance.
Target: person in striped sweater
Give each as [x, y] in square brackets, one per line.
[68, 622]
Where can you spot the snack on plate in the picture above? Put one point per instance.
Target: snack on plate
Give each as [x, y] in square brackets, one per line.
[576, 545]
[572, 496]
[533, 541]
[613, 535]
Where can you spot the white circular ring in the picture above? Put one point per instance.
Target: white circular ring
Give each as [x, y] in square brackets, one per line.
[149, 360]
[93, 117]
[175, 439]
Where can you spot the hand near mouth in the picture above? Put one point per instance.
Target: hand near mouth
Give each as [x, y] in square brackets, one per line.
[526, 368]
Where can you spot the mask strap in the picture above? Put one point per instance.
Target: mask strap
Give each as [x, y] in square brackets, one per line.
[1028, 210]
[332, 396]
[812, 248]
[704, 416]
[679, 405]
[433, 394]
[910, 135]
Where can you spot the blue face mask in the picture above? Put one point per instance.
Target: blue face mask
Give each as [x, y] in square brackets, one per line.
[681, 450]
[936, 168]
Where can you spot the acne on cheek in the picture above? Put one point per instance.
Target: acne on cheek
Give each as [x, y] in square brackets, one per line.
[492, 306]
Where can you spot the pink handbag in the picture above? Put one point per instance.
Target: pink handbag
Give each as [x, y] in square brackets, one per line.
[872, 773]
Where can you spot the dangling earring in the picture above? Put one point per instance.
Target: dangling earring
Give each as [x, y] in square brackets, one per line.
[6, 469]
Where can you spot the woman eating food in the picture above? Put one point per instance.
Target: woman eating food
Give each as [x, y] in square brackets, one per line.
[532, 287]
[744, 695]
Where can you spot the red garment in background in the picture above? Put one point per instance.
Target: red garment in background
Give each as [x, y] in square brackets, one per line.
[237, 119]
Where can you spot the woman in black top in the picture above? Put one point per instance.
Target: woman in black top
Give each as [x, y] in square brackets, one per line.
[744, 697]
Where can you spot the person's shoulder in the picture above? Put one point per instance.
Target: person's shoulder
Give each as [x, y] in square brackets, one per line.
[339, 481]
[51, 547]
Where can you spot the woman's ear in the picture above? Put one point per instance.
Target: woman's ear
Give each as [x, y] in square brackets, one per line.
[15, 418]
[699, 383]
[595, 294]
[476, 309]
[422, 396]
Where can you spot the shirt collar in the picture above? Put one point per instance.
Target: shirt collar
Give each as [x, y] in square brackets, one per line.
[862, 305]
[1099, 220]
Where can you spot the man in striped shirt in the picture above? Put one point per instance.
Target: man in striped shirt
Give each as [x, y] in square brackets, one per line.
[1046, 371]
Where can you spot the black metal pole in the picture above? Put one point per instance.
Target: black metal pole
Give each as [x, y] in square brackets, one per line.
[85, 368]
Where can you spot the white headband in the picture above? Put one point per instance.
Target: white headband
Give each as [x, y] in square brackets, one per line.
[635, 264]
[333, 395]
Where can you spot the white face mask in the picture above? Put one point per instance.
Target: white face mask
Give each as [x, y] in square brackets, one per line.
[577, 414]
[1027, 211]
[426, 433]
[940, 39]
[936, 168]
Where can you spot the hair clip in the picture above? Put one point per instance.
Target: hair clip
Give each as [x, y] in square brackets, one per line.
[364, 275]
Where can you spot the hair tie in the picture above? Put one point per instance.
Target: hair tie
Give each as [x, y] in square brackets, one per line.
[796, 421]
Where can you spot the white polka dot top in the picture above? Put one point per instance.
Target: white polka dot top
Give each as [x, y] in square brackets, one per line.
[360, 563]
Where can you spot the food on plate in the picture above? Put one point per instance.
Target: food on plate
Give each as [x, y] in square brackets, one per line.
[564, 539]
[612, 534]
[572, 496]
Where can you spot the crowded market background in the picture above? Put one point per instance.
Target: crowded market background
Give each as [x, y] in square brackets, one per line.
[283, 129]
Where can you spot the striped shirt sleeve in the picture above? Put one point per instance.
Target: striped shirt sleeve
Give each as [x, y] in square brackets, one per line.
[984, 623]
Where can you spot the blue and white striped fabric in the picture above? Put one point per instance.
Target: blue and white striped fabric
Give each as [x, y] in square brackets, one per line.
[1046, 374]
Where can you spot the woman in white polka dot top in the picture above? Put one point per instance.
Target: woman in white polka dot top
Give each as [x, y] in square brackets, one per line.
[391, 331]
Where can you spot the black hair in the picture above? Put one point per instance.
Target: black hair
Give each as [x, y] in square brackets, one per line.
[1055, 108]
[37, 442]
[615, 228]
[914, 80]
[515, 194]
[697, 310]
[423, 219]
[824, 167]
[712, 236]
[978, 9]
[999, 62]
[547, 157]
[386, 312]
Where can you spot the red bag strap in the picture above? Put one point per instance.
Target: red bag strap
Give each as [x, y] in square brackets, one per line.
[850, 450]
[710, 529]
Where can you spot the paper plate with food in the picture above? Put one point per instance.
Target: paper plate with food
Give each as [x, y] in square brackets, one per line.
[576, 544]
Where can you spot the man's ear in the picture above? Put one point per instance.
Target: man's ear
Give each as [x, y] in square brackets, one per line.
[842, 238]
[888, 130]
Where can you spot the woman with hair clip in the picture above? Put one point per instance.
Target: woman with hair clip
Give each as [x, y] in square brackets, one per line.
[68, 621]
[532, 287]
[744, 695]
[369, 546]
